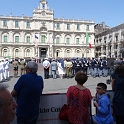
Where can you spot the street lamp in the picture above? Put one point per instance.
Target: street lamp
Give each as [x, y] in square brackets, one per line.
[36, 51]
[83, 49]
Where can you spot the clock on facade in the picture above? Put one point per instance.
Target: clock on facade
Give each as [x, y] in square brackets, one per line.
[43, 13]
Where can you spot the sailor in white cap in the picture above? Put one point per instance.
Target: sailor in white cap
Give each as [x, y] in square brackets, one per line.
[6, 66]
[3, 70]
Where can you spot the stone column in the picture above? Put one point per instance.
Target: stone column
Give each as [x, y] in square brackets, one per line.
[0, 36]
[38, 52]
[101, 49]
[22, 37]
[112, 51]
[63, 38]
[22, 52]
[11, 36]
[73, 39]
[118, 50]
[33, 53]
[73, 52]
[107, 51]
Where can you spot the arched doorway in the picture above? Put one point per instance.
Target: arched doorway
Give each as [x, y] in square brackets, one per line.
[43, 53]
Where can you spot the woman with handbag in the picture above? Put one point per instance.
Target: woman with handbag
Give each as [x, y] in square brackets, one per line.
[79, 100]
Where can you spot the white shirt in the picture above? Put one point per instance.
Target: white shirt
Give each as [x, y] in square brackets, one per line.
[46, 63]
[6, 65]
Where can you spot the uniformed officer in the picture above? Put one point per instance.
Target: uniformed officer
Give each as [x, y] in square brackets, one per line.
[105, 68]
[78, 65]
[69, 68]
[6, 67]
[15, 68]
[73, 66]
[85, 65]
[100, 67]
[22, 67]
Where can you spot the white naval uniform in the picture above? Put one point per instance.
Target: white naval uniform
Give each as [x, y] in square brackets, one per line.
[6, 67]
[1, 71]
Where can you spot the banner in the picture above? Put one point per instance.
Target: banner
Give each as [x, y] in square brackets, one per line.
[50, 105]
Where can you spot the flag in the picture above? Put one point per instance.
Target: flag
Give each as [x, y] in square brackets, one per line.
[36, 36]
[87, 40]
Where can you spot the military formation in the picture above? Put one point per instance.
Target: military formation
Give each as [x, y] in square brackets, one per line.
[96, 67]
[60, 67]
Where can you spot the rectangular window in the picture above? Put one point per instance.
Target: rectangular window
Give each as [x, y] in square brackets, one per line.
[68, 41]
[78, 27]
[28, 39]
[28, 24]
[58, 26]
[16, 39]
[68, 26]
[5, 39]
[87, 28]
[43, 38]
[116, 38]
[4, 23]
[77, 40]
[57, 40]
[16, 24]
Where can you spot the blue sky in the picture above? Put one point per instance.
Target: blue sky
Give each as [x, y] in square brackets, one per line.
[109, 11]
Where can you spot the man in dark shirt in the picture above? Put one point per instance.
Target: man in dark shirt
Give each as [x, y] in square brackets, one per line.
[28, 90]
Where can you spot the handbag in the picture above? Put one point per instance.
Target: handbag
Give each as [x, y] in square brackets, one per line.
[63, 115]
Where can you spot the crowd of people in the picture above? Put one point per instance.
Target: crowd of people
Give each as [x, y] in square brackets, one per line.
[67, 68]
[29, 87]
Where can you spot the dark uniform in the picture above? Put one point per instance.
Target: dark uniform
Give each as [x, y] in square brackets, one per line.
[78, 65]
[85, 65]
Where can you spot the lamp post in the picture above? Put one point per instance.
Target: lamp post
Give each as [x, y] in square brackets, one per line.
[36, 51]
[83, 49]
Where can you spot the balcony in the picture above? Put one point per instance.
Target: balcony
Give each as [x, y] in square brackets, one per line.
[98, 44]
[104, 44]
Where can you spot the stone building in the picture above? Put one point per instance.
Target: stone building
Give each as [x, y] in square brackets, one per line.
[42, 35]
[109, 42]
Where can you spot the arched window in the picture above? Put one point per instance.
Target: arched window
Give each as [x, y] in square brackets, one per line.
[57, 53]
[16, 53]
[5, 52]
[68, 53]
[27, 53]
[77, 53]
[87, 53]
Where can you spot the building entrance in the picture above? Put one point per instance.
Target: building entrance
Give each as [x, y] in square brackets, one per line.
[43, 53]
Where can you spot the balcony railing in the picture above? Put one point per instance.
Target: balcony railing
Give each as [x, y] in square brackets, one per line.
[40, 43]
[98, 44]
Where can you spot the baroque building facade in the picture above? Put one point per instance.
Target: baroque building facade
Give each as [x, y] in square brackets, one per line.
[42, 35]
[109, 42]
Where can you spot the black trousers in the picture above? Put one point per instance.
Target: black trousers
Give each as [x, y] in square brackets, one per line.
[46, 73]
